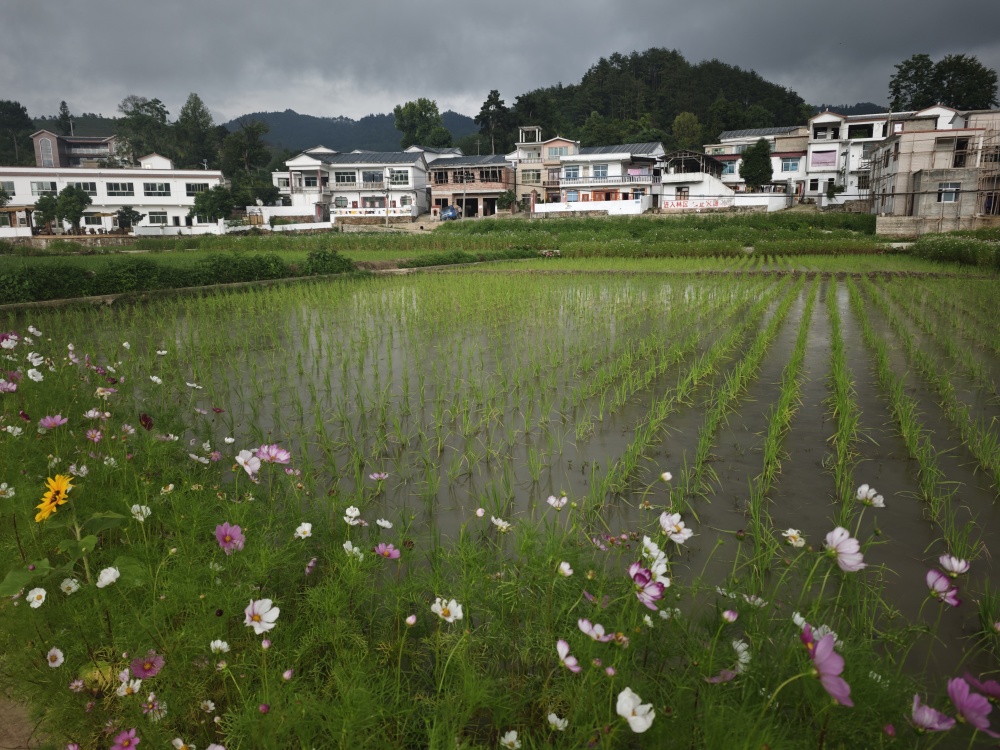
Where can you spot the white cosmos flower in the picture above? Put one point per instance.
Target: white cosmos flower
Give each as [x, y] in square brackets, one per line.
[350, 549]
[648, 620]
[666, 476]
[557, 502]
[35, 359]
[229, 440]
[869, 496]
[13, 431]
[630, 707]
[304, 530]
[219, 647]
[107, 576]
[6, 490]
[249, 462]
[35, 375]
[126, 345]
[558, 724]
[199, 459]
[155, 379]
[953, 566]
[502, 525]
[565, 570]
[192, 385]
[207, 706]
[69, 586]
[141, 512]
[161, 352]
[794, 537]
[129, 687]
[742, 649]
[206, 446]
[674, 528]
[260, 615]
[510, 740]
[384, 523]
[34, 331]
[447, 610]
[36, 597]
[351, 516]
[54, 658]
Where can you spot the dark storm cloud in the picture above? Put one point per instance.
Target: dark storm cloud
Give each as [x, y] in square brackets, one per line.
[325, 58]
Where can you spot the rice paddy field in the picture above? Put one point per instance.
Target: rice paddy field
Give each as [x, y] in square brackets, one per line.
[738, 501]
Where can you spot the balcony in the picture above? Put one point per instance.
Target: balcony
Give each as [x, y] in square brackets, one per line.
[403, 211]
[628, 179]
[550, 183]
[345, 186]
[89, 152]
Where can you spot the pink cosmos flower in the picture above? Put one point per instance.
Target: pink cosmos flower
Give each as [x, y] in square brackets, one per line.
[229, 537]
[215, 456]
[927, 719]
[953, 566]
[989, 688]
[387, 551]
[595, 631]
[972, 708]
[941, 588]
[726, 675]
[147, 666]
[567, 660]
[125, 740]
[76, 686]
[828, 665]
[51, 422]
[273, 454]
[378, 476]
[646, 589]
[94, 435]
[310, 566]
[603, 604]
[845, 548]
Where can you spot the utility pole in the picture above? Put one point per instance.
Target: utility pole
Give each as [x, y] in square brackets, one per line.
[388, 174]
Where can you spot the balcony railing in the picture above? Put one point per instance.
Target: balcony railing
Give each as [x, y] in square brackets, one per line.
[89, 152]
[346, 185]
[404, 211]
[629, 179]
[550, 183]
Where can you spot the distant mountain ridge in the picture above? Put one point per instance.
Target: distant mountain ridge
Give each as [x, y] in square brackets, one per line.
[861, 108]
[295, 131]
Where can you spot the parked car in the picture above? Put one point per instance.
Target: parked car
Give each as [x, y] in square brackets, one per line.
[450, 213]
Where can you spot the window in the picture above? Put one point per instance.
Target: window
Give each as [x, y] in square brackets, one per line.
[282, 182]
[718, 150]
[790, 164]
[464, 176]
[861, 131]
[43, 188]
[399, 177]
[90, 188]
[683, 193]
[340, 202]
[555, 151]
[824, 158]
[864, 182]
[814, 184]
[92, 221]
[440, 176]
[729, 167]
[158, 217]
[572, 173]
[600, 170]
[201, 220]
[310, 180]
[961, 151]
[372, 176]
[45, 149]
[120, 188]
[152, 189]
[895, 151]
[532, 176]
[7, 187]
[491, 174]
[193, 188]
[948, 192]
[572, 196]
[405, 201]
[867, 149]
[345, 178]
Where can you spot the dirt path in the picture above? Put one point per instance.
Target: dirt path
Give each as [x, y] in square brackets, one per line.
[15, 729]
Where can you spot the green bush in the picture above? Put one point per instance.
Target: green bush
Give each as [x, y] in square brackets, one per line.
[325, 260]
[958, 249]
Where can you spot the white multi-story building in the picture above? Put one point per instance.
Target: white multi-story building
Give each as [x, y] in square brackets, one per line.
[164, 195]
[324, 184]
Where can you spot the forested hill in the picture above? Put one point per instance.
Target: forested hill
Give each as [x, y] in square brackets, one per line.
[861, 108]
[650, 89]
[295, 131]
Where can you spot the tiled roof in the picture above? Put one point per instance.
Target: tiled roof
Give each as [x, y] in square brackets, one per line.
[369, 157]
[623, 148]
[471, 161]
[758, 132]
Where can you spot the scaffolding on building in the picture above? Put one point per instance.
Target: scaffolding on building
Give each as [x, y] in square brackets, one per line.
[988, 189]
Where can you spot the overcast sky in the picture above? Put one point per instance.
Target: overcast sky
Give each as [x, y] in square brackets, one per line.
[330, 58]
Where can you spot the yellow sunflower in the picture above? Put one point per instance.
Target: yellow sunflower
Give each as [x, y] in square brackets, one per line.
[59, 487]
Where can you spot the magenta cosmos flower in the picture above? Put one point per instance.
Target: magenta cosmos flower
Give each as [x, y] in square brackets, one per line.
[125, 740]
[387, 551]
[941, 588]
[989, 688]
[646, 589]
[568, 660]
[927, 719]
[829, 665]
[273, 454]
[229, 537]
[50, 422]
[846, 549]
[972, 708]
[148, 665]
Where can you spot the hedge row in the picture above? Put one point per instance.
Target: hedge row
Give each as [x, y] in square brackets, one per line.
[60, 280]
[461, 256]
[958, 249]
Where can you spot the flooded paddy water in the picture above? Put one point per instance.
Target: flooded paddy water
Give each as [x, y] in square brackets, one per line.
[495, 391]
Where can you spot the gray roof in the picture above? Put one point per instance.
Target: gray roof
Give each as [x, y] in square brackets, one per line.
[758, 132]
[370, 157]
[434, 150]
[624, 148]
[471, 161]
